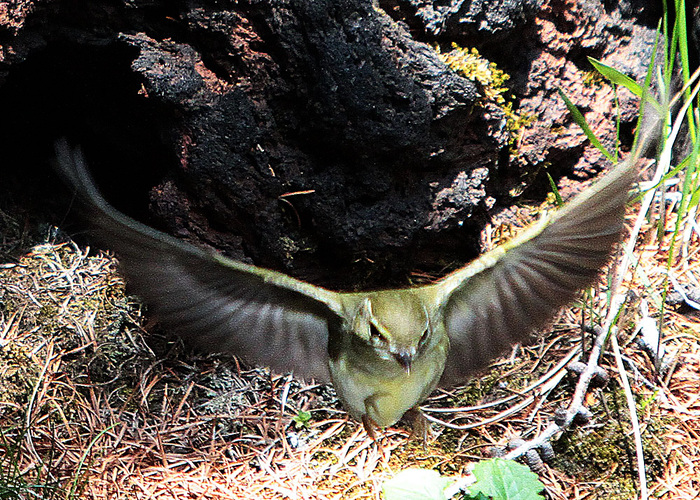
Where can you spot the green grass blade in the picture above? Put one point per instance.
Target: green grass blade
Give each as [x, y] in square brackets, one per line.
[553, 185]
[581, 122]
[617, 77]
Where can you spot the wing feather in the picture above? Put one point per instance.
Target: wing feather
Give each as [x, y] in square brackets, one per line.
[218, 304]
[505, 294]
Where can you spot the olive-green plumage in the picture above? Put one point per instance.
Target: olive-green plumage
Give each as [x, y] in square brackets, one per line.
[384, 351]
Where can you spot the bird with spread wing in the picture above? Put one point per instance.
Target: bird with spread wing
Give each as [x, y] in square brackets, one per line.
[384, 351]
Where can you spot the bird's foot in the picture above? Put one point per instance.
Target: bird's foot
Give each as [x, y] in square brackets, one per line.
[370, 427]
[420, 427]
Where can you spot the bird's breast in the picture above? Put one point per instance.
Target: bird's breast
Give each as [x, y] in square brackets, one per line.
[370, 385]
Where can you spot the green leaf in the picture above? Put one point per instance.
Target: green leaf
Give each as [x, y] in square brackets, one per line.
[501, 479]
[302, 419]
[617, 77]
[416, 484]
[581, 122]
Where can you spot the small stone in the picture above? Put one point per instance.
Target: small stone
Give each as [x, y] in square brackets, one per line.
[293, 440]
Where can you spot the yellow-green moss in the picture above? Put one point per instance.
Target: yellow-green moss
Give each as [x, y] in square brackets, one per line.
[470, 64]
[593, 79]
[604, 454]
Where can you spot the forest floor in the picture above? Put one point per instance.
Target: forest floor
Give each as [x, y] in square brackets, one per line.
[97, 402]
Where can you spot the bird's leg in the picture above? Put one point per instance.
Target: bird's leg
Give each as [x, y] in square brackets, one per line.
[420, 427]
[369, 426]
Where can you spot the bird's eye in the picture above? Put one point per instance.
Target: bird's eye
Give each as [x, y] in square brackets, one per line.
[424, 337]
[375, 333]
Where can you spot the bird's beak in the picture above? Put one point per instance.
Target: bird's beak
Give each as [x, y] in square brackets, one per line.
[404, 359]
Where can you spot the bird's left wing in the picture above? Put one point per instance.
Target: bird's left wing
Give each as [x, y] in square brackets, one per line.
[219, 304]
[498, 299]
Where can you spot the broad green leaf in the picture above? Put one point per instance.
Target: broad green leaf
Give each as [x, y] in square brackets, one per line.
[416, 484]
[501, 479]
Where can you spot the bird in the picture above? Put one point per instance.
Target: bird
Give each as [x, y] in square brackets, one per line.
[384, 351]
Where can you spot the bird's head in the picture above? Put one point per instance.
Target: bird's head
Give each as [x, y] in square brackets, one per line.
[395, 323]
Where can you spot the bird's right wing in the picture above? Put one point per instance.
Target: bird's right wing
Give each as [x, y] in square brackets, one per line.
[501, 297]
[219, 304]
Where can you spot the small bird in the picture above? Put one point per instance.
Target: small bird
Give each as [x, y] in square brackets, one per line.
[384, 351]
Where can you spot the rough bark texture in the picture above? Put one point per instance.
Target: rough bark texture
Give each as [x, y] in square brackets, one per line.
[326, 139]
